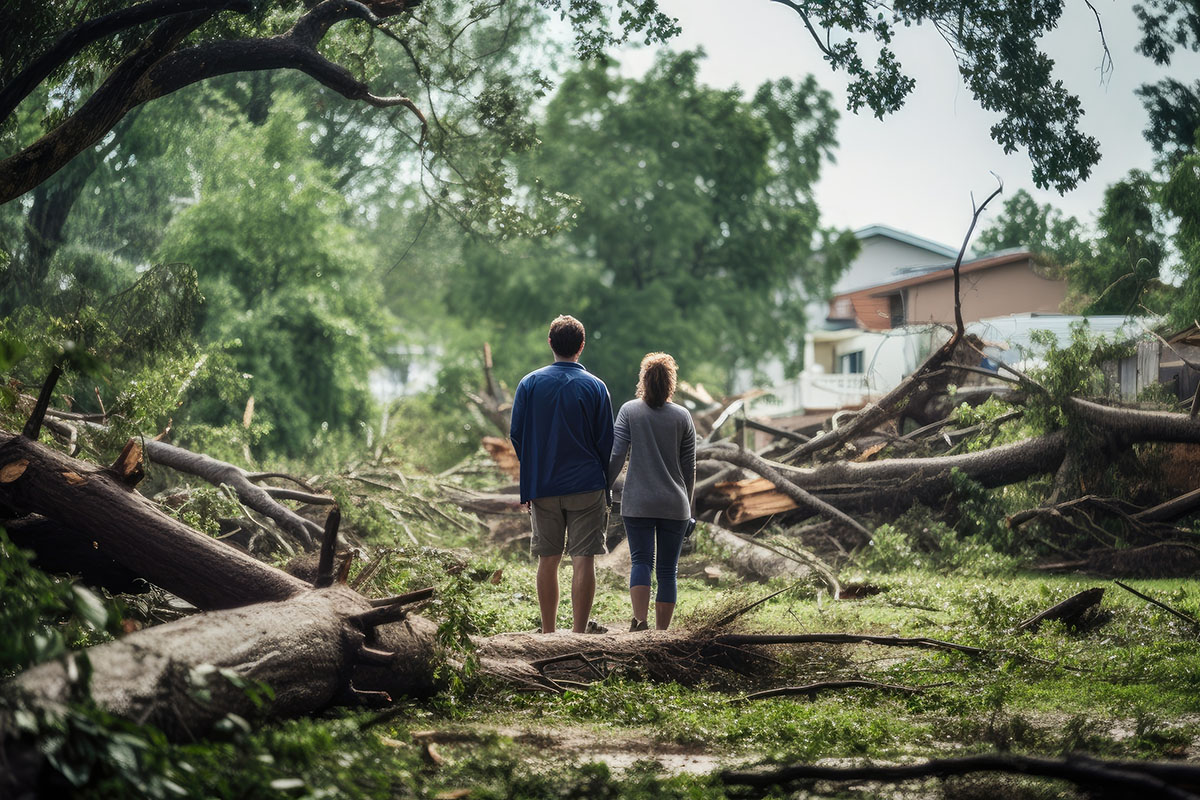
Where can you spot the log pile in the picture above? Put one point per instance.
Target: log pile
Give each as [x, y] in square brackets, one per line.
[750, 499]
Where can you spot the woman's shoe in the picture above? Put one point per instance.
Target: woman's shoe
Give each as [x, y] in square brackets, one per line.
[638, 625]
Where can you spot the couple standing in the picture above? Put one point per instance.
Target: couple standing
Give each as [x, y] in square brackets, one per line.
[571, 453]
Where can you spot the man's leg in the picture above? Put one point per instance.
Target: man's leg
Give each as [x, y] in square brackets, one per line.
[547, 591]
[587, 520]
[583, 591]
[549, 533]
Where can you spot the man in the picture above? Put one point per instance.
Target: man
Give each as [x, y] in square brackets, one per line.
[562, 430]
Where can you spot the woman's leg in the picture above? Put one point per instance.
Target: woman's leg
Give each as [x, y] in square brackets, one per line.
[639, 532]
[670, 541]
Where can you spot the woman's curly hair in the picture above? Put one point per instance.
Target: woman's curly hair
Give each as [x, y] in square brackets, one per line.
[656, 379]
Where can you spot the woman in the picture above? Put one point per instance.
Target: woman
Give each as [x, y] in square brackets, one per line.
[660, 439]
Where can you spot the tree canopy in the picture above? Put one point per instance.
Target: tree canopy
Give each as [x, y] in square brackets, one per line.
[697, 231]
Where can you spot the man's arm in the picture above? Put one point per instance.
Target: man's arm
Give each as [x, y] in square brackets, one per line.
[620, 447]
[516, 425]
[604, 427]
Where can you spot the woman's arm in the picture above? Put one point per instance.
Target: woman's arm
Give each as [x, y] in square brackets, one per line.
[687, 458]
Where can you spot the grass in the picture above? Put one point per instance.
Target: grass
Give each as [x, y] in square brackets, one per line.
[1127, 689]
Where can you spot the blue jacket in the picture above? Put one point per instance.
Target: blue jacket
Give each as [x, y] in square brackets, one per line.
[562, 430]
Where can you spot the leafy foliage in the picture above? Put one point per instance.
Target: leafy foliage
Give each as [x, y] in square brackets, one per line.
[39, 615]
[918, 540]
[1073, 370]
[1181, 198]
[1061, 241]
[997, 47]
[696, 219]
[1129, 252]
[284, 281]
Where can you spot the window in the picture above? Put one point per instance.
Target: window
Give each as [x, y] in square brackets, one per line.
[850, 362]
[896, 310]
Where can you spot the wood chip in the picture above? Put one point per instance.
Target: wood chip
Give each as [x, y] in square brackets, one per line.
[10, 472]
[74, 478]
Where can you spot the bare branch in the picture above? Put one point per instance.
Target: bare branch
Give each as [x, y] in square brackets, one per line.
[33, 427]
[824, 48]
[328, 546]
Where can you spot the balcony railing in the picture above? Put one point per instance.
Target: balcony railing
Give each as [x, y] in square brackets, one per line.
[815, 390]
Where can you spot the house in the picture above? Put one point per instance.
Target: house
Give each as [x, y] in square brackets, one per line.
[890, 310]
[883, 251]
[993, 285]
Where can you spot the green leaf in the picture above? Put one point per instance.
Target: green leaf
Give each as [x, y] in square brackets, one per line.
[90, 608]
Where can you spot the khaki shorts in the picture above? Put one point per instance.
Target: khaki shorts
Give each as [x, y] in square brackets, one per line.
[579, 519]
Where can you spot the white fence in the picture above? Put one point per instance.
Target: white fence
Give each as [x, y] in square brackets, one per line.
[814, 390]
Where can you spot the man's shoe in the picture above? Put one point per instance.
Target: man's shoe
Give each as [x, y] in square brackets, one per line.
[594, 627]
[638, 625]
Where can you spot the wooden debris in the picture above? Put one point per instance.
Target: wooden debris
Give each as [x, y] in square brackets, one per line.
[501, 451]
[751, 499]
[1074, 611]
[10, 472]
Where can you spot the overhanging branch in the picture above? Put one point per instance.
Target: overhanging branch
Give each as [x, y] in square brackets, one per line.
[71, 43]
[156, 69]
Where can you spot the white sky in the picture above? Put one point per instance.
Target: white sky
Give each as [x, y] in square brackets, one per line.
[916, 169]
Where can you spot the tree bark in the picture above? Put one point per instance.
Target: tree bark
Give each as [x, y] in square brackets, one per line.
[134, 532]
[309, 650]
[219, 472]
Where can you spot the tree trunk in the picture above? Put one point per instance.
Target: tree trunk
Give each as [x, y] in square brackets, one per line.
[185, 676]
[125, 526]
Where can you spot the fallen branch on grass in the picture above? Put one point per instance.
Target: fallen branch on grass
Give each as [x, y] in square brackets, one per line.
[1185, 617]
[812, 689]
[1124, 778]
[1070, 611]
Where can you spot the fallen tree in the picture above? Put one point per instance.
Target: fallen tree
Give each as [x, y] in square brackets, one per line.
[314, 646]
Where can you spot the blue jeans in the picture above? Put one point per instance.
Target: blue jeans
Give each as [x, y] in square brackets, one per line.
[645, 535]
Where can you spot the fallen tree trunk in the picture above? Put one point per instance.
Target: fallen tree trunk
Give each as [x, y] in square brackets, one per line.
[753, 560]
[882, 484]
[64, 551]
[263, 500]
[132, 531]
[312, 650]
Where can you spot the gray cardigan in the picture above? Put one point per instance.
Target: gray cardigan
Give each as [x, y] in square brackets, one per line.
[661, 444]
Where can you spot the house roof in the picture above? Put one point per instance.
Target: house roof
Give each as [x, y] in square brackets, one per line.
[943, 271]
[906, 237]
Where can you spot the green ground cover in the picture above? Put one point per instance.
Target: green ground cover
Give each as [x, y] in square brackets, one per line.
[1125, 689]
